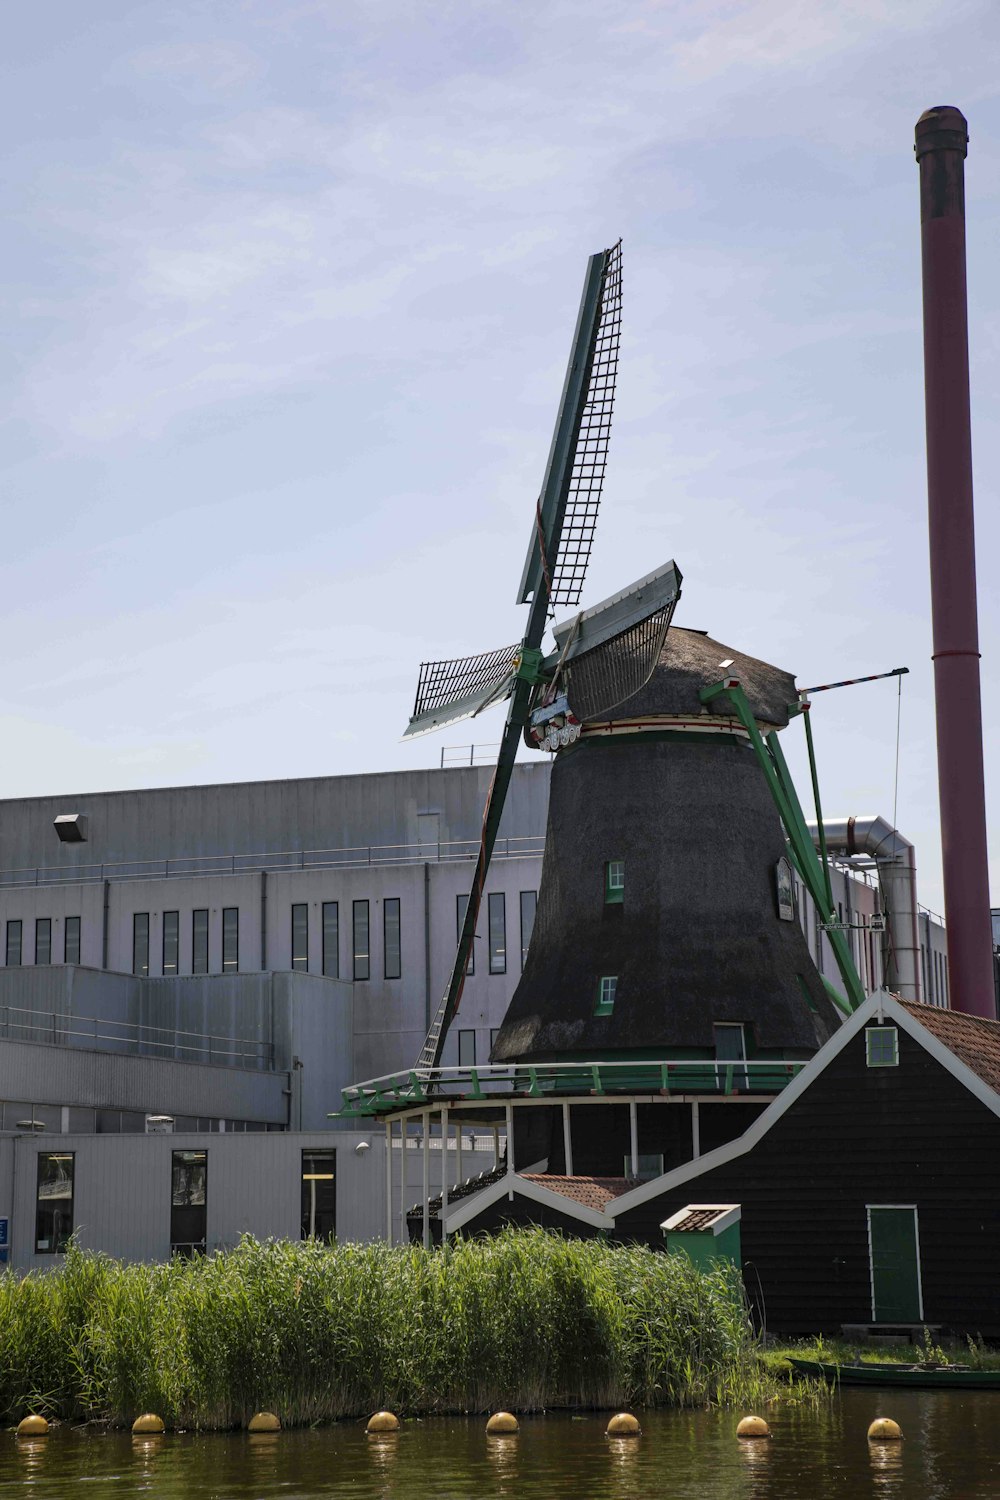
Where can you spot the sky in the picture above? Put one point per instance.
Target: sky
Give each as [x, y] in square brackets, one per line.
[288, 290]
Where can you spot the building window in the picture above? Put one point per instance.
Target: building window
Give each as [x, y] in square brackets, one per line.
[882, 1046]
[43, 940]
[188, 1202]
[461, 906]
[614, 882]
[818, 932]
[607, 988]
[319, 1195]
[498, 932]
[529, 901]
[361, 951]
[230, 939]
[13, 943]
[331, 940]
[391, 946]
[300, 936]
[494, 1033]
[199, 941]
[171, 941]
[71, 940]
[140, 943]
[54, 1202]
[467, 1049]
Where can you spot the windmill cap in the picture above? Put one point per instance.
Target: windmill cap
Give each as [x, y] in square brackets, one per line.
[942, 128]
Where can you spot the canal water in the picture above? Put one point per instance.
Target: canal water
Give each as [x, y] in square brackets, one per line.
[951, 1451]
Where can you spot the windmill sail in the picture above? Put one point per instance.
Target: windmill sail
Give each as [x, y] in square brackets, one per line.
[451, 690]
[609, 652]
[566, 511]
[559, 550]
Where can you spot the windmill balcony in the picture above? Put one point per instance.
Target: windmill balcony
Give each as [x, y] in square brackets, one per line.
[679, 1079]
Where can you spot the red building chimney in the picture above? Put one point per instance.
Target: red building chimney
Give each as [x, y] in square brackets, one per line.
[942, 140]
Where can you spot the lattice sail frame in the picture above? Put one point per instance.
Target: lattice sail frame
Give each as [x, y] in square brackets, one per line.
[590, 459]
[598, 681]
[455, 689]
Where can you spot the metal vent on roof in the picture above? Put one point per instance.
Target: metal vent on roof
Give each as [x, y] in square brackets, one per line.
[71, 828]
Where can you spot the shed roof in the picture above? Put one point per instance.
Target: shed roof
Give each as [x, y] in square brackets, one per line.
[592, 1192]
[974, 1040]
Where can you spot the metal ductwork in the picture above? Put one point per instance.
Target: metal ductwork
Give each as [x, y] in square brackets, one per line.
[897, 871]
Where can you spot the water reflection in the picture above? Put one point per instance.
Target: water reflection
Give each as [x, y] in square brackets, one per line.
[886, 1460]
[33, 1454]
[502, 1453]
[755, 1460]
[383, 1454]
[624, 1456]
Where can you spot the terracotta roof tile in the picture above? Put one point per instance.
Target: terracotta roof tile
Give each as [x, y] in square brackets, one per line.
[592, 1192]
[974, 1041]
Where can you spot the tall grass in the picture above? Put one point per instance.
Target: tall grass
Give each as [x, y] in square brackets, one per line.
[527, 1320]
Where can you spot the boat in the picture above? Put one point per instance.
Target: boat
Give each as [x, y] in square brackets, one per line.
[915, 1376]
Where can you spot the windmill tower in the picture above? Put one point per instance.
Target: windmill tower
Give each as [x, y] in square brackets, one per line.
[659, 914]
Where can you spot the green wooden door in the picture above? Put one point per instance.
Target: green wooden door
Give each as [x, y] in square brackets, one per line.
[894, 1263]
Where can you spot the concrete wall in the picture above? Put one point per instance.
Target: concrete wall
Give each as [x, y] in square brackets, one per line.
[121, 1198]
[323, 812]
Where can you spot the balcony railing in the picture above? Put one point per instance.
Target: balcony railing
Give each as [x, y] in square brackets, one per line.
[500, 1083]
[291, 860]
[60, 1029]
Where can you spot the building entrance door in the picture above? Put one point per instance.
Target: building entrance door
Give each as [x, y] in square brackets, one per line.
[895, 1264]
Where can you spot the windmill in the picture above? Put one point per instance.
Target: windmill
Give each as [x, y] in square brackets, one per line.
[603, 655]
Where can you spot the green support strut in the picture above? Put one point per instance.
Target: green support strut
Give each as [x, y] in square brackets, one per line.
[771, 760]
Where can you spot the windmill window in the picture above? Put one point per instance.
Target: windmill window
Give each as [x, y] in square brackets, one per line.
[882, 1046]
[54, 1202]
[607, 987]
[614, 882]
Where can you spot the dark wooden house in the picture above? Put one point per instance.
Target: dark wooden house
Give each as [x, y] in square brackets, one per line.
[869, 1189]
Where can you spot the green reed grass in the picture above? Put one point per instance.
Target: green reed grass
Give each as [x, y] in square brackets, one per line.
[526, 1320]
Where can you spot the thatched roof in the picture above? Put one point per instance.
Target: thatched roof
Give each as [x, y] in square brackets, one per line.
[690, 661]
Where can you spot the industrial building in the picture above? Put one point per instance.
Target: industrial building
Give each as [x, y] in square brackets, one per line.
[193, 965]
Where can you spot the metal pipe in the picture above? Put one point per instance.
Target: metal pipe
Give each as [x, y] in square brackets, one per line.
[388, 1180]
[942, 139]
[633, 1124]
[444, 1166]
[567, 1141]
[897, 868]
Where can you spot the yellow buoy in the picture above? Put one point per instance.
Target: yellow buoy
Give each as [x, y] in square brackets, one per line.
[623, 1424]
[148, 1422]
[383, 1421]
[264, 1421]
[753, 1427]
[33, 1426]
[501, 1423]
[884, 1430]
